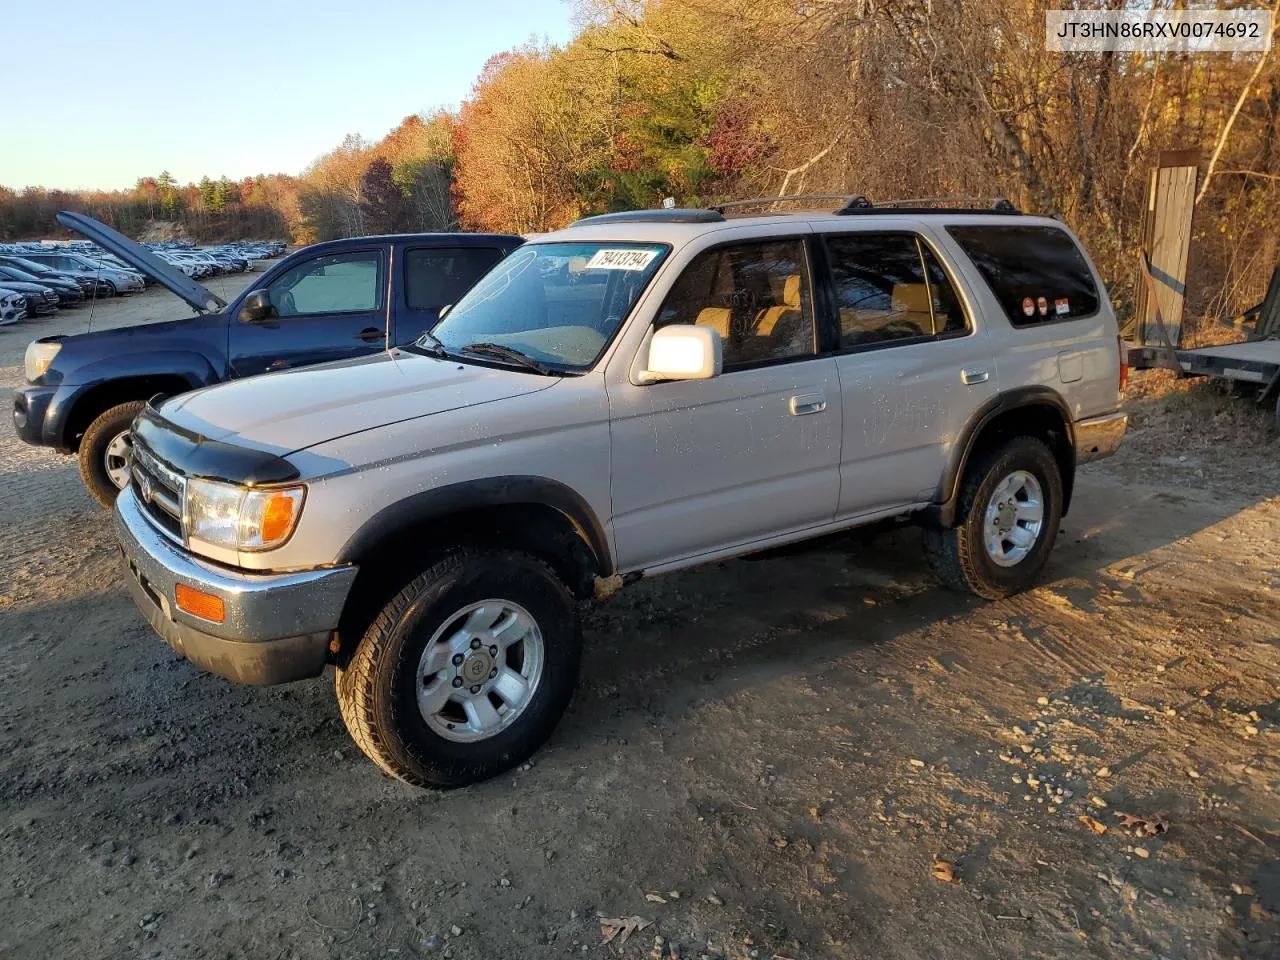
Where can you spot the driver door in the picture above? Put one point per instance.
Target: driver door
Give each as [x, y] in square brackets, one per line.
[330, 307]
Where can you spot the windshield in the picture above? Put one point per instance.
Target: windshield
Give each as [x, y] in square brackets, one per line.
[558, 304]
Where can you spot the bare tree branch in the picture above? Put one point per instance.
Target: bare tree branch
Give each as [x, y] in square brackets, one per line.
[1231, 120]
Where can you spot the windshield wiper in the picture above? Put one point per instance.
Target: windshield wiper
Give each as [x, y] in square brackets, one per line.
[508, 353]
[430, 344]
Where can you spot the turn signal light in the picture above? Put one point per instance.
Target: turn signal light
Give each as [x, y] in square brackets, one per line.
[277, 517]
[199, 604]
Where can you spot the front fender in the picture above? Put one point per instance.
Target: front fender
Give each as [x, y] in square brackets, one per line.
[191, 368]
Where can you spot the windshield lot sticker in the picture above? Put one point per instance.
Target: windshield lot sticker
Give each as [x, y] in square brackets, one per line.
[1061, 306]
[1028, 306]
[621, 259]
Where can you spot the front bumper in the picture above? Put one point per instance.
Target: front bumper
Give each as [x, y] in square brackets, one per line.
[277, 627]
[1099, 437]
[30, 406]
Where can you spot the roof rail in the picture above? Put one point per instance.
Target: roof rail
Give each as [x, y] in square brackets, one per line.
[665, 215]
[774, 201]
[997, 205]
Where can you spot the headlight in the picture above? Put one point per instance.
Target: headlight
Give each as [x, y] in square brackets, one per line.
[241, 518]
[37, 359]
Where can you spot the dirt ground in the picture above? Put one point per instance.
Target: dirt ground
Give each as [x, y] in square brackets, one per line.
[765, 759]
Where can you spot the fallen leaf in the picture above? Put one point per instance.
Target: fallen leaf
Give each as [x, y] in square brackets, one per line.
[655, 898]
[943, 871]
[1092, 824]
[626, 926]
[1143, 852]
[916, 763]
[1142, 826]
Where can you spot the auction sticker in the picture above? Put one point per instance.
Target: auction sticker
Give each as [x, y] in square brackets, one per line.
[1061, 306]
[1043, 306]
[621, 259]
[1028, 306]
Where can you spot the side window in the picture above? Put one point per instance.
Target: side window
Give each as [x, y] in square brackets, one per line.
[880, 287]
[948, 312]
[755, 295]
[1037, 273]
[437, 276]
[343, 283]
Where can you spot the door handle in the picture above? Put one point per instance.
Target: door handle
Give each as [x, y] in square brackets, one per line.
[807, 403]
[370, 334]
[970, 377]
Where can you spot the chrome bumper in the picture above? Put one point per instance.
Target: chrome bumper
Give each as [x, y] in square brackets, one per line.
[277, 627]
[1099, 437]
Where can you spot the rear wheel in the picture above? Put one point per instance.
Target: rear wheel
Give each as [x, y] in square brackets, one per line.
[465, 672]
[106, 452]
[1010, 508]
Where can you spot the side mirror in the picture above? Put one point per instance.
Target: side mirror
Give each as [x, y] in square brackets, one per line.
[443, 310]
[683, 352]
[255, 307]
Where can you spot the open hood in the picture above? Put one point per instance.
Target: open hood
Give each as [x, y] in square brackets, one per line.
[143, 260]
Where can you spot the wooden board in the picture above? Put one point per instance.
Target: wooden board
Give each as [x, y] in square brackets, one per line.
[1167, 238]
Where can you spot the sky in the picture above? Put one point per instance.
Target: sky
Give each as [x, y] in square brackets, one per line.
[95, 94]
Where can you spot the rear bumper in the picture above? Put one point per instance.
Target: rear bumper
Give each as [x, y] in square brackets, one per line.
[276, 628]
[1099, 437]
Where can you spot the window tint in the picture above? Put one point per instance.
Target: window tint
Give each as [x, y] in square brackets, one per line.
[948, 313]
[1037, 273]
[435, 277]
[880, 287]
[343, 283]
[756, 296]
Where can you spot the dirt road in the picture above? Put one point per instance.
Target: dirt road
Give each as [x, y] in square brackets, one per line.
[787, 744]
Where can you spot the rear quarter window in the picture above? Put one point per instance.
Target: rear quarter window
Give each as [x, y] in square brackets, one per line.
[1037, 273]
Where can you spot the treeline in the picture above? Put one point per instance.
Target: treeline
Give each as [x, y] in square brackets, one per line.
[705, 100]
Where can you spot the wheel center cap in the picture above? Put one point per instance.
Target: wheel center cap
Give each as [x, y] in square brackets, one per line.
[476, 668]
[1006, 517]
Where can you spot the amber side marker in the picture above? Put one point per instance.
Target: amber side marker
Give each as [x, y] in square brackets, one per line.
[199, 604]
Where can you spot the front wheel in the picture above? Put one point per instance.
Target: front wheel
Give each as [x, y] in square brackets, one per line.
[106, 452]
[465, 672]
[1009, 511]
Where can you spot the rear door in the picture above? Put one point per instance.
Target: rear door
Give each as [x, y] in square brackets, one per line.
[433, 277]
[327, 307]
[913, 366]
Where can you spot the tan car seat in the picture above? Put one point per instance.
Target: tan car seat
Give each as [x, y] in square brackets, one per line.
[912, 303]
[768, 318]
[717, 318]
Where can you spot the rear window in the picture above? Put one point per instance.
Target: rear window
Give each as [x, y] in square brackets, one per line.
[1037, 273]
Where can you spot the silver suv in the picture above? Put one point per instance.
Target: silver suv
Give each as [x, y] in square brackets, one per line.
[636, 394]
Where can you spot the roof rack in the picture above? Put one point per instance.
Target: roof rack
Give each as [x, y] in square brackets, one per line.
[665, 215]
[996, 205]
[774, 201]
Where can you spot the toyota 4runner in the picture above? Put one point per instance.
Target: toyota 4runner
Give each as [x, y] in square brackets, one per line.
[636, 394]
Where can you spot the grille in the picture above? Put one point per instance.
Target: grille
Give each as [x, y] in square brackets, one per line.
[159, 490]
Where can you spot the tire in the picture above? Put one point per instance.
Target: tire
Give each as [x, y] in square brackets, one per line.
[961, 556]
[379, 688]
[109, 427]
[111, 288]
